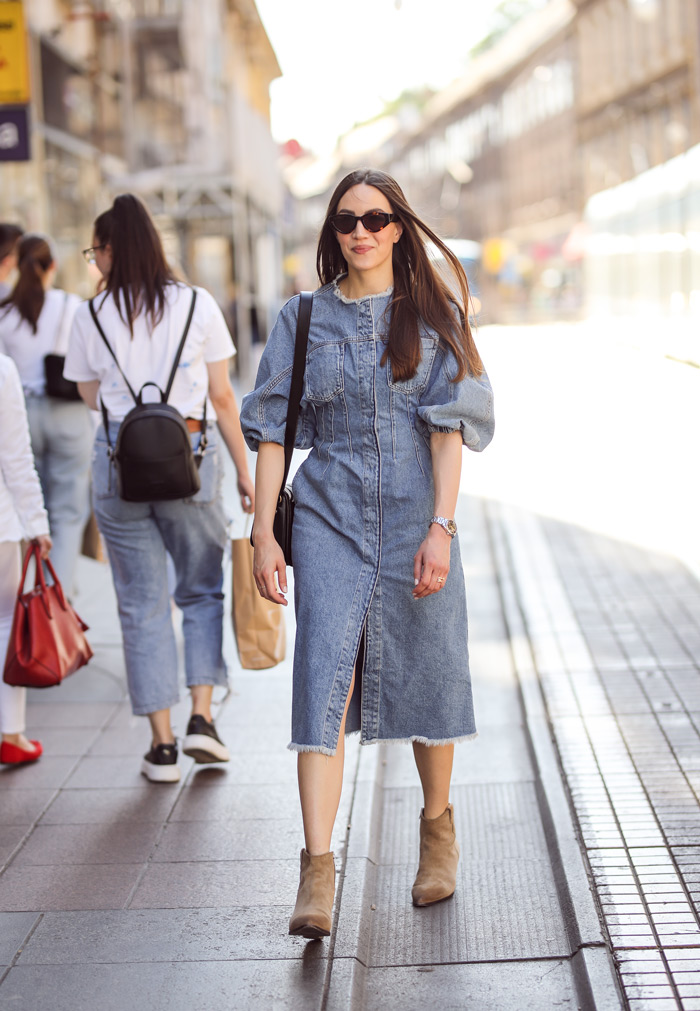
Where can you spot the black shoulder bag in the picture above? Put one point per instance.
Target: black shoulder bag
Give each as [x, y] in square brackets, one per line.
[284, 513]
[56, 385]
[153, 454]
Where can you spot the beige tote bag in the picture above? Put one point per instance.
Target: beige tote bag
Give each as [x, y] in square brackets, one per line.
[258, 624]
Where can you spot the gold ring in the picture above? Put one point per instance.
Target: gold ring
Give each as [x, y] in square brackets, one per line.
[440, 579]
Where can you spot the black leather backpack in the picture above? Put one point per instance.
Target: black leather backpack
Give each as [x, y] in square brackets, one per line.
[153, 455]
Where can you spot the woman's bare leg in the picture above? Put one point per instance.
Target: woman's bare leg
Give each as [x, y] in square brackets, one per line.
[434, 763]
[320, 785]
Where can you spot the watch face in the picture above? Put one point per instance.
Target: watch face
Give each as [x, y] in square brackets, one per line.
[451, 527]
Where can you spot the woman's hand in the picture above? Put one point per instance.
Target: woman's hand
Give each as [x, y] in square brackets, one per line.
[44, 544]
[246, 489]
[431, 563]
[268, 563]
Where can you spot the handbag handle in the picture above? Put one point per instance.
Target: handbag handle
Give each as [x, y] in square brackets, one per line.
[40, 581]
[306, 299]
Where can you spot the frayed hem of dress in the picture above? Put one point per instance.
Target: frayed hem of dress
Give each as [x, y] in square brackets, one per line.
[430, 743]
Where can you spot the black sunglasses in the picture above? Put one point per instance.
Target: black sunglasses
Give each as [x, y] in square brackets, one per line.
[373, 221]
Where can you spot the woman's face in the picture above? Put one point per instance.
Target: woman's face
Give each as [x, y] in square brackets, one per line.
[103, 256]
[365, 250]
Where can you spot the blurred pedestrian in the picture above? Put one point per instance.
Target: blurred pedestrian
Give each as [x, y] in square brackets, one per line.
[35, 321]
[143, 310]
[9, 237]
[393, 386]
[22, 514]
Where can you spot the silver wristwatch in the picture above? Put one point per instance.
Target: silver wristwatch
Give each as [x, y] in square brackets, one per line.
[449, 526]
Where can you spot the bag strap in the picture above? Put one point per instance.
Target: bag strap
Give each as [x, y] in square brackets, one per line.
[301, 341]
[111, 351]
[181, 347]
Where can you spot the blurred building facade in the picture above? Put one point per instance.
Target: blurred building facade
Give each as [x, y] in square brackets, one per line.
[579, 98]
[170, 100]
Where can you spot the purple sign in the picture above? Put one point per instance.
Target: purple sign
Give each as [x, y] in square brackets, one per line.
[14, 133]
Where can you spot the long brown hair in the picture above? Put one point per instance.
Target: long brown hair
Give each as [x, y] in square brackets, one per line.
[421, 295]
[9, 234]
[34, 258]
[139, 272]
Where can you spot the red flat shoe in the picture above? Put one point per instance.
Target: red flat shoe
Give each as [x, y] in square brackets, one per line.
[11, 754]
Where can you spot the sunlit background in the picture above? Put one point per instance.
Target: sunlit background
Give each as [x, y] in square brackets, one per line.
[555, 144]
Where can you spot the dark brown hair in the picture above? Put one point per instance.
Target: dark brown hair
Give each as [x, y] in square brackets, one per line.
[34, 257]
[421, 295]
[140, 272]
[9, 234]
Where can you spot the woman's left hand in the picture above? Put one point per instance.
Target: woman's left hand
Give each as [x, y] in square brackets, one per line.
[431, 563]
[246, 489]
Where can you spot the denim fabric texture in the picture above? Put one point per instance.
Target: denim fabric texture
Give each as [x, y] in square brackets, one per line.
[62, 434]
[364, 498]
[139, 536]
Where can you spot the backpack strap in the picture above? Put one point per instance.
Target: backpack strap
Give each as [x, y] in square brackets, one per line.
[171, 380]
[301, 340]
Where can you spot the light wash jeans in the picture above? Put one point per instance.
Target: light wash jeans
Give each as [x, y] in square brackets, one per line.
[139, 536]
[62, 433]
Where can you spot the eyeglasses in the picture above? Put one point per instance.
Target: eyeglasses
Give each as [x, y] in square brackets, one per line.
[373, 221]
[89, 253]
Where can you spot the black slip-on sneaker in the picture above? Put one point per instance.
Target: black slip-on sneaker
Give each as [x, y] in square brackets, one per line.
[202, 742]
[160, 764]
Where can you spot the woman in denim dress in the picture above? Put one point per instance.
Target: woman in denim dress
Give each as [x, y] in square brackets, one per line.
[393, 387]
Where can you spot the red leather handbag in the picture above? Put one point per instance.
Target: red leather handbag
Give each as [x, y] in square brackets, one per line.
[47, 641]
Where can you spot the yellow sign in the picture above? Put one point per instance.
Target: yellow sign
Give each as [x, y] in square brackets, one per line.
[14, 66]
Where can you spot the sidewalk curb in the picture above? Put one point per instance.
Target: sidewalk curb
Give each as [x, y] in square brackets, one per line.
[595, 975]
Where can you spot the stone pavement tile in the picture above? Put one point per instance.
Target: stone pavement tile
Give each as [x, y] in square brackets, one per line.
[117, 741]
[95, 683]
[71, 886]
[202, 804]
[14, 928]
[220, 883]
[238, 839]
[68, 714]
[151, 802]
[10, 836]
[22, 807]
[128, 842]
[49, 772]
[282, 984]
[166, 935]
[528, 985]
[100, 772]
[66, 740]
[249, 769]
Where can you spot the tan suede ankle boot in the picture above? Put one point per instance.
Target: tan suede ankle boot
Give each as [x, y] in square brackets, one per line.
[439, 856]
[313, 912]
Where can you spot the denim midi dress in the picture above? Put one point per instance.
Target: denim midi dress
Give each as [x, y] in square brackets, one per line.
[364, 499]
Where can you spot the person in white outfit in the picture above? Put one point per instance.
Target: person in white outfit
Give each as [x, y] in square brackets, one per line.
[35, 321]
[22, 514]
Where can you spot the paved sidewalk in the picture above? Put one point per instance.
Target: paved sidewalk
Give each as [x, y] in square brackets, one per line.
[614, 633]
[120, 893]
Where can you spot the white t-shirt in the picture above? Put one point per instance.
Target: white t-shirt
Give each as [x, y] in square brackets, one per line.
[149, 355]
[28, 349]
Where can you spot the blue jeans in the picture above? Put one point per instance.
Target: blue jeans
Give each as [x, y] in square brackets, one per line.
[62, 434]
[139, 536]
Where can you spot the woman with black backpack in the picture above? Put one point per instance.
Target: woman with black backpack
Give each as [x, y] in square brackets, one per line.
[146, 338]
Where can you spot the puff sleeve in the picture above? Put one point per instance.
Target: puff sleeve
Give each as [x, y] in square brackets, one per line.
[465, 406]
[264, 411]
